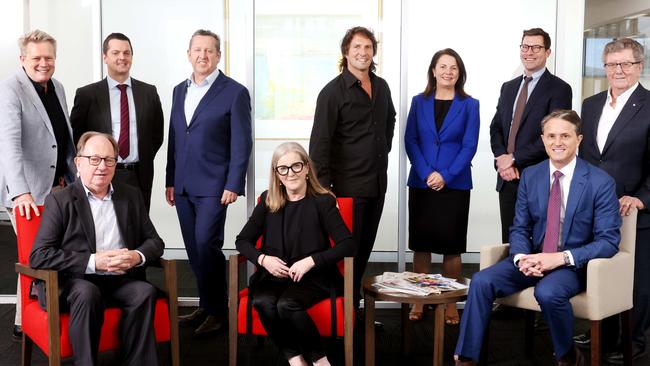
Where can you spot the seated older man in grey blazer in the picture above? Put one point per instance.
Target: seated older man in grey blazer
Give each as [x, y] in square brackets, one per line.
[36, 148]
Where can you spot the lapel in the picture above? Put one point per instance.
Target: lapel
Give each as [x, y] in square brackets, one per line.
[121, 206]
[217, 86]
[138, 102]
[509, 98]
[28, 89]
[576, 190]
[104, 103]
[534, 96]
[84, 214]
[544, 189]
[633, 105]
[454, 109]
[429, 114]
[596, 112]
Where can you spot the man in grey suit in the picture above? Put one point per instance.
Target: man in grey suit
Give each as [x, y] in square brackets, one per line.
[36, 148]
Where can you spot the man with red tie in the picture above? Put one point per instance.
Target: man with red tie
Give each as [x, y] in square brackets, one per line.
[126, 108]
[566, 215]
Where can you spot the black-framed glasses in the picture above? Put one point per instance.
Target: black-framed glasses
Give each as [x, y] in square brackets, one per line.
[96, 160]
[295, 167]
[535, 47]
[625, 66]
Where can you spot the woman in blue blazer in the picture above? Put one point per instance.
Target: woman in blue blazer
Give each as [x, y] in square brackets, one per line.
[440, 139]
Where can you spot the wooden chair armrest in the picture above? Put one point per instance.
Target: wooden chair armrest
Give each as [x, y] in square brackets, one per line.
[490, 254]
[41, 274]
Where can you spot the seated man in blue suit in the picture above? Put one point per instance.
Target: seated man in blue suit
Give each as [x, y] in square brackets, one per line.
[566, 214]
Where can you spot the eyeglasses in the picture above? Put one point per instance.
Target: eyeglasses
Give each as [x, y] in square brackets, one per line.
[535, 47]
[295, 167]
[626, 66]
[96, 160]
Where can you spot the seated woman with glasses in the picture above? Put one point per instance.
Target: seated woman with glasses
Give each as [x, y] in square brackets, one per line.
[296, 264]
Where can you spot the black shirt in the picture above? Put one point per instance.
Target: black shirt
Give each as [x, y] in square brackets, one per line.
[440, 108]
[352, 135]
[59, 126]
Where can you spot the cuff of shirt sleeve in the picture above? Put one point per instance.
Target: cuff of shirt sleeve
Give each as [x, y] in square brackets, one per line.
[141, 257]
[90, 267]
[568, 252]
[516, 258]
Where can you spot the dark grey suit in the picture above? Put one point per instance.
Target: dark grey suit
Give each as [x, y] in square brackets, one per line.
[92, 112]
[626, 157]
[65, 241]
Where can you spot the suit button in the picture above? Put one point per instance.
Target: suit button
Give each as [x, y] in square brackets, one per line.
[52, 167]
[54, 146]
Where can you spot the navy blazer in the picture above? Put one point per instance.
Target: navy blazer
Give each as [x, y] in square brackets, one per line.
[591, 221]
[626, 155]
[448, 151]
[550, 93]
[211, 153]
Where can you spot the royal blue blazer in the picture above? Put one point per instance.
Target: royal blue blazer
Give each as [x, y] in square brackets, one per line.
[448, 151]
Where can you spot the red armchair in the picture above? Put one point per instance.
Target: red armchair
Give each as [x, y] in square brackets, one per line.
[50, 333]
[321, 313]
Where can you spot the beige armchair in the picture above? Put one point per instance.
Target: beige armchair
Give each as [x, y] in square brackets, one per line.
[609, 288]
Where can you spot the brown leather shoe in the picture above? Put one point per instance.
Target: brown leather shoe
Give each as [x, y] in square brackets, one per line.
[211, 325]
[193, 318]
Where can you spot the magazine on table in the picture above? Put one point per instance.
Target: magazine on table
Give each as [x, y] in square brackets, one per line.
[417, 284]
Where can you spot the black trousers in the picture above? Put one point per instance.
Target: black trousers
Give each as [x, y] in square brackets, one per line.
[132, 177]
[365, 222]
[282, 306]
[86, 300]
[507, 203]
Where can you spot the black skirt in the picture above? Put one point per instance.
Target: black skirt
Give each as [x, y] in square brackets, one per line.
[438, 220]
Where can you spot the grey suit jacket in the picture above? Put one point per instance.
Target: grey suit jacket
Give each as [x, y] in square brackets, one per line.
[28, 148]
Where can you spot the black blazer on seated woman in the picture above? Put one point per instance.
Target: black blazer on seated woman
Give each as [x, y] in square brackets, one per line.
[298, 230]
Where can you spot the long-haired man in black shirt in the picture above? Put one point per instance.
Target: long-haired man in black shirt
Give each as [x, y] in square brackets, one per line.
[351, 138]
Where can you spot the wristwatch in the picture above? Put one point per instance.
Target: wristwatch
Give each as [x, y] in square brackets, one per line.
[567, 260]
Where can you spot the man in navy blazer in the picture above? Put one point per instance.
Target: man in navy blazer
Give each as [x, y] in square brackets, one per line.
[589, 227]
[545, 93]
[617, 140]
[209, 145]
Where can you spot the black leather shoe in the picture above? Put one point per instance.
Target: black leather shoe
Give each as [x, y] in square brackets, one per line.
[582, 340]
[572, 358]
[193, 318]
[17, 333]
[212, 324]
[616, 358]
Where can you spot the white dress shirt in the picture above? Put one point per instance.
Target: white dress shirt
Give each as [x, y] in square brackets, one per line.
[196, 92]
[107, 233]
[115, 96]
[610, 114]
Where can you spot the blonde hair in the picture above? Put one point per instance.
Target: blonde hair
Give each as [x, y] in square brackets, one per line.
[277, 196]
[35, 36]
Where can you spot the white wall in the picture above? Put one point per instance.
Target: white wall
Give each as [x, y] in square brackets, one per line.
[598, 12]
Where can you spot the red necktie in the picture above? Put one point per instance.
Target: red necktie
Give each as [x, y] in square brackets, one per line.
[123, 142]
[552, 236]
[519, 112]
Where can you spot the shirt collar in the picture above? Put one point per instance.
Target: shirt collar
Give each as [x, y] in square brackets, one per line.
[622, 99]
[567, 171]
[206, 82]
[39, 88]
[350, 79]
[90, 194]
[112, 83]
[537, 74]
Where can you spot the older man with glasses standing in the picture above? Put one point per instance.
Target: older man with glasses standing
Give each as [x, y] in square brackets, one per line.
[617, 140]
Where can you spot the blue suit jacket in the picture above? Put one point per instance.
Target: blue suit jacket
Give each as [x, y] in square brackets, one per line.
[448, 151]
[550, 93]
[211, 153]
[591, 222]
